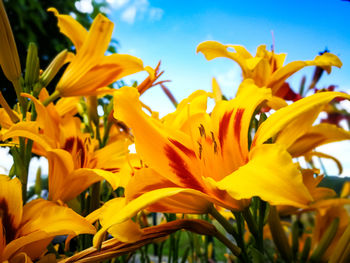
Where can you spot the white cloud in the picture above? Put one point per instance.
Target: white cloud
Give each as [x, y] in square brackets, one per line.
[133, 10]
[84, 6]
[156, 14]
[129, 15]
[116, 4]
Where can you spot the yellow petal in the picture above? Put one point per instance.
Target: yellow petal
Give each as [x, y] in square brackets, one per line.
[171, 155]
[217, 94]
[213, 49]
[43, 220]
[71, 28]
[271, 175]
[149, 198]
[316, 136]
[89, 55]
[279, 76]
[28, 130]
[65, 183]
[10, 206]
[127, 231]
[304, 111]
[196, 103]
[232, 119]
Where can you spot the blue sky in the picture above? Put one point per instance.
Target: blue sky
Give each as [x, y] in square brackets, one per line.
[171, 30]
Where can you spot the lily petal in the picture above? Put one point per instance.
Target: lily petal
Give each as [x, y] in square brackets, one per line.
[316, 136]
[279, 76]
[175, 146]
[213, 49]
[71, 28]
[303, 112]
[43, 220]
[10, 207]
[271, 175]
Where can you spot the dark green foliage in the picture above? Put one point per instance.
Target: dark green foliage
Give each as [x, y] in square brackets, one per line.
[31, 22]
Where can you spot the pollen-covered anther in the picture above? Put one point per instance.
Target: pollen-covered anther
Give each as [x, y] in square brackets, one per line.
[202, 130]
[214, 142]
[200, 149]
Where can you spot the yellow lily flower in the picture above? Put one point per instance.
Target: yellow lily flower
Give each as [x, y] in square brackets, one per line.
[192, 167]
[90, 71]
[266, 68]
[206, 159]
[74, 164]
[26, 231]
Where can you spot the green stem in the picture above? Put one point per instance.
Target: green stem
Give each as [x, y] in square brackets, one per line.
[55, 95]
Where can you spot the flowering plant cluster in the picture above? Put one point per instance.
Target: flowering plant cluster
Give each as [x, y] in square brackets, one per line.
[232, 177]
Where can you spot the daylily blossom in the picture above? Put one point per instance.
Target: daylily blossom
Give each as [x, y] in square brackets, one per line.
[207, 159]
[266, 68]
[74, 161]
[26, 231]
[90, 71]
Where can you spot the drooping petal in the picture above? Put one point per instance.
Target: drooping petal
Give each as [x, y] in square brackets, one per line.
[271, 175]
[146, 179]
[10, 207]
[127, 231]
[213, 49]
[309, 155]
[316, 136]
[43, 220]
[194, 104]
[279, 76]
[71, 28]
[303, 112]
[89, 55]
[171, 155]
[109, 70]
[147, 199]
[28, 130]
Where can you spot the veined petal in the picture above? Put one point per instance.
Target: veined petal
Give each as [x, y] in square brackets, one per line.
[60, 167]
[90, 54]
[232, 119]
[299, 109]
[279, 76]
[271, 175]
[65, 182]
[171, 155]
[28, 130]
[109, 70]
[10, 207]
[213, 49]
[146, 180]
[127, 231]
[71, 28]
[149, 198]
[43, 220]
[47, 117]
[316, 136]
[194, 104]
